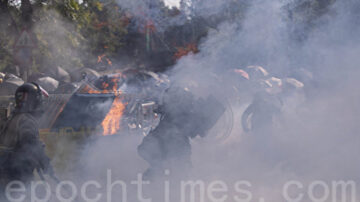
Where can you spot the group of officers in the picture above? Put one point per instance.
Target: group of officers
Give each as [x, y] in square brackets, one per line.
[167, 146]
[185, 117]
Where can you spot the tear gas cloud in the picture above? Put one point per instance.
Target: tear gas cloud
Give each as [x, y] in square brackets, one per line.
[55, 29]
[318, 140]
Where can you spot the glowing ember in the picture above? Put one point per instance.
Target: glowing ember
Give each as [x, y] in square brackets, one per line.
[111, 123]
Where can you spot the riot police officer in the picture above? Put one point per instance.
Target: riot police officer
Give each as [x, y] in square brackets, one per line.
[21, 150]
[265, 106]
[183, 117]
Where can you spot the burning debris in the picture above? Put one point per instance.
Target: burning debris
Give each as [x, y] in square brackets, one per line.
[112, 121]
[124, 104]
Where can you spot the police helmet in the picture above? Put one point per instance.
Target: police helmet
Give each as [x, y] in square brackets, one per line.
[29, 97]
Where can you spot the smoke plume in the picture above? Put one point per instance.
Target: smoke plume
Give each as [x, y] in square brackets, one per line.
[318, 140]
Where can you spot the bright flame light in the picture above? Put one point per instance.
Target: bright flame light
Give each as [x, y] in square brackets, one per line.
[112, 121]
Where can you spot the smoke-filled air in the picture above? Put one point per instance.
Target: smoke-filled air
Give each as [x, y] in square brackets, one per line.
[180, 101]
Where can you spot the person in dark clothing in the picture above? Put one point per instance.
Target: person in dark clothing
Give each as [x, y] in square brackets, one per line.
[183, 117]
[258, 116]
[258, 121]
[21, 150]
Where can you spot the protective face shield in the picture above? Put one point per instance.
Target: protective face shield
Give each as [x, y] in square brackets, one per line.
[275, 85]
[257, 72]
[242, 73]
[29, 97]
[291, 86]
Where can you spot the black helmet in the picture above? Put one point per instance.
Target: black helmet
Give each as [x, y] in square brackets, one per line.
[29, 96]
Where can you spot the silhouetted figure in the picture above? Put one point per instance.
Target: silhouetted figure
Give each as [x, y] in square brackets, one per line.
[183, 117]
[21, 151]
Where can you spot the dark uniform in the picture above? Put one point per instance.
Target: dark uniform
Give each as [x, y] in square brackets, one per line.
[21, 151]
[183, 118]
[25, 151]
[260, 113]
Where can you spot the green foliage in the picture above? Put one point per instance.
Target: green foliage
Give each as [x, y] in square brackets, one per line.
[73, 35]
[88, 30]
[68, 34]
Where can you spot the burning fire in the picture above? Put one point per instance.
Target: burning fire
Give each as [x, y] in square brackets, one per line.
[101, 57]
[112, 122]
[89, 90]
[109, 61]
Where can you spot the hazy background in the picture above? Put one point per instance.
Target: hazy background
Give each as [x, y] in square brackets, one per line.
[317, 141]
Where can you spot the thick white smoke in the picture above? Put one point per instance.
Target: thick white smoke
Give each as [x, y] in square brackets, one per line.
[317, 141]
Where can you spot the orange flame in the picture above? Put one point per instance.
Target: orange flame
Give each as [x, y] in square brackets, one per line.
[112, 122]
[101, 57]
[90, 90]
[109, 61]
